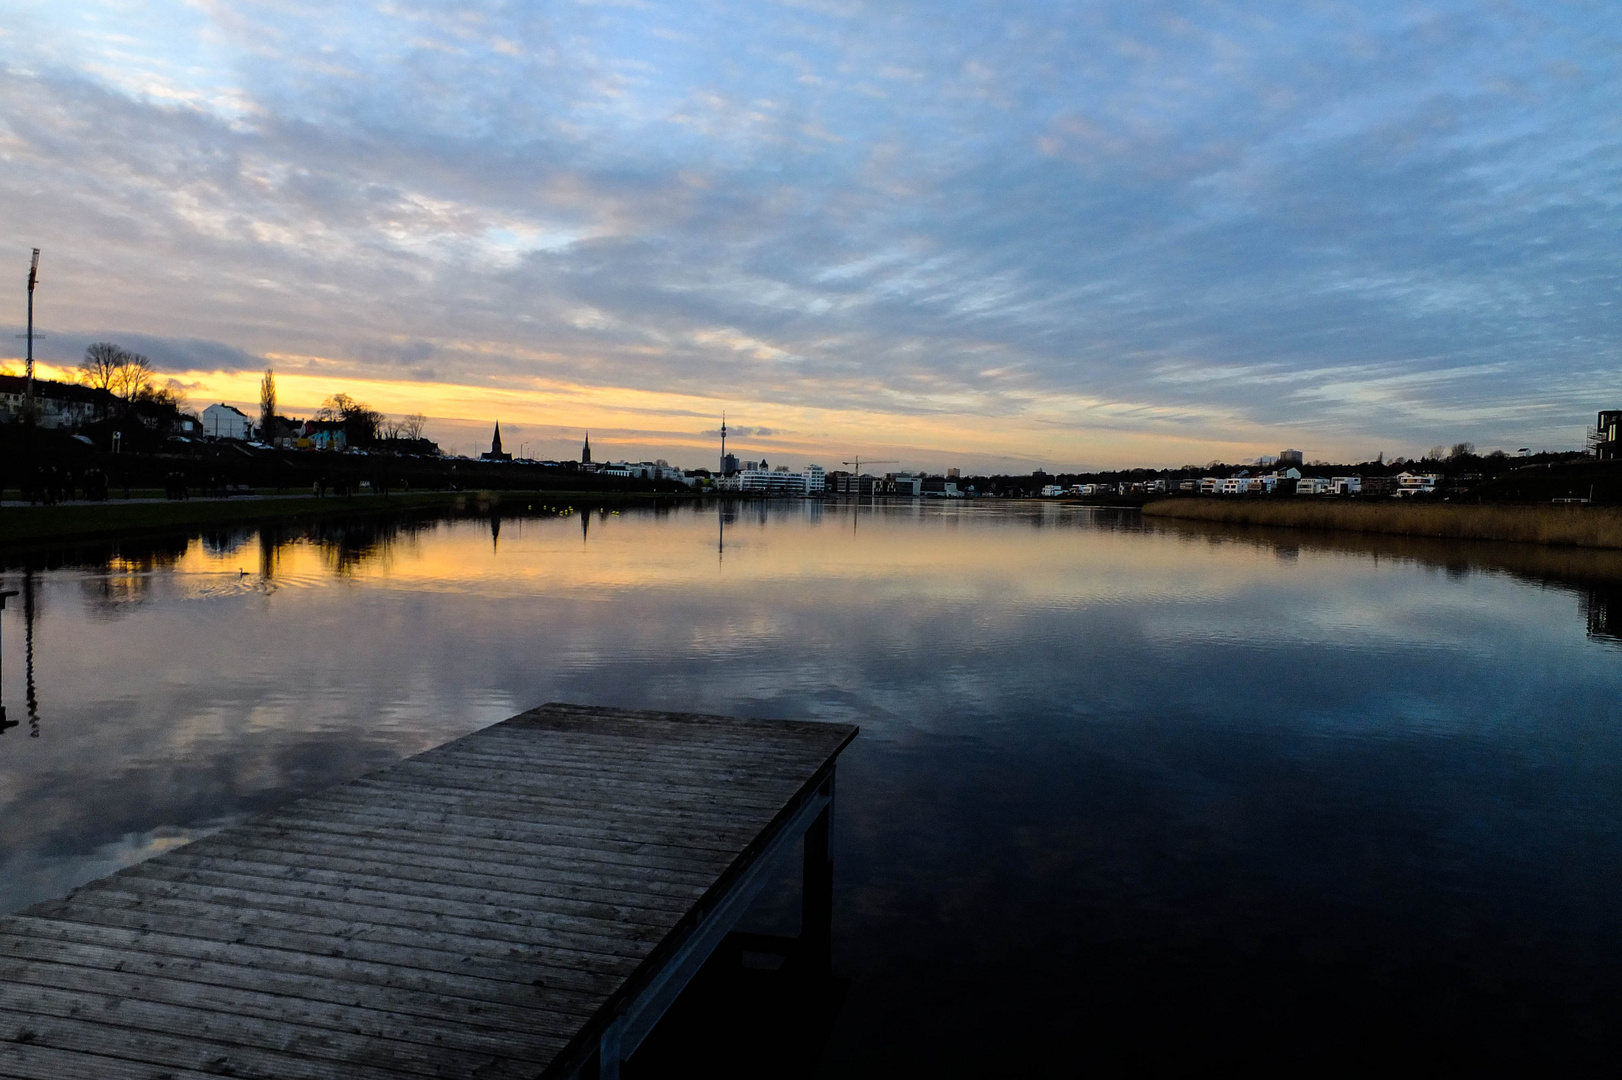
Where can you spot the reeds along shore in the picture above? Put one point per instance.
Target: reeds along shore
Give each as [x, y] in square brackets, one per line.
[1572, 526]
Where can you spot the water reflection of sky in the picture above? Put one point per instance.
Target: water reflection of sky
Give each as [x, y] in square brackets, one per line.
[1107, 774]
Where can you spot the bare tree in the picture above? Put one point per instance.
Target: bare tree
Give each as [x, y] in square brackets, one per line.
[267, 405]
[360, 422]
[1463, 449]
[100, 364]
[133, 378]
[122, 373]
[412, 427]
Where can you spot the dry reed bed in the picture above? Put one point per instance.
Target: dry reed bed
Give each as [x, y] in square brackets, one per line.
[1571, 526]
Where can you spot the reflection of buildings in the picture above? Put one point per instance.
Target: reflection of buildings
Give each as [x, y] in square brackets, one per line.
[1603, 608]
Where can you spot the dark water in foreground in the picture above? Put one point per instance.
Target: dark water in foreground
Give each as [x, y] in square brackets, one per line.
[1123, 797]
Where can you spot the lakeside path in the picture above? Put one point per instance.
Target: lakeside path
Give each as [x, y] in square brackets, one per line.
[21, 523]
[1569, 526]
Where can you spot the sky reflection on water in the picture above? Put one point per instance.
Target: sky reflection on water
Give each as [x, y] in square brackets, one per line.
[1118, 786]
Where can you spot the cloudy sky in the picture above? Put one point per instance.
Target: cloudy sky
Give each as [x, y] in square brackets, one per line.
[991, 235]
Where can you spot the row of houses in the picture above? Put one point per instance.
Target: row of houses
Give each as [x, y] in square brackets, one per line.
[1289, 481]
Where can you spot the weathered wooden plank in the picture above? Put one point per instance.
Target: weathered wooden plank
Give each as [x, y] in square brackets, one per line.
[624, 811]
[471, 887]
[504, 835]
[675, 745]
[185, 899]
[261, 948]
[221, 1053]
[22, 1060]
[24, 980]
[318, 885]
[274, 929]
[342, 805]
[98, 943]
[680, 820]
[503, 925]
[600, 878]
[707, 790]
[314, 1049]
[36, 962]
[604, 865]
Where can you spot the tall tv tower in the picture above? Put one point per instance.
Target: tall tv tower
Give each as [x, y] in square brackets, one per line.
[723, 440]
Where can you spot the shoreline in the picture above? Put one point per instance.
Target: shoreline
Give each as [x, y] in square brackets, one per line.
[1549, 525]
[115, 518]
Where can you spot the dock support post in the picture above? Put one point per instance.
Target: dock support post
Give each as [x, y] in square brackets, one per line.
[608, 1050]
[817, 892]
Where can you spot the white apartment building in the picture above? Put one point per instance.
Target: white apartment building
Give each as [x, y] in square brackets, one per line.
[227, 422]
[778, 481]
[1416, 484]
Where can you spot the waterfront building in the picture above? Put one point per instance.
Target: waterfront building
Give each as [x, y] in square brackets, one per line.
[1604, 440]
[938, 487]
[227, 422]
[1416, 484]
[778, 481]
[1346, 485]
[844, 483]
[907, 483]
[1312, 485]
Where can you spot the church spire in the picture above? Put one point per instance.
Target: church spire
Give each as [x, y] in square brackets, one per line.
[585, 451]
[495, 444]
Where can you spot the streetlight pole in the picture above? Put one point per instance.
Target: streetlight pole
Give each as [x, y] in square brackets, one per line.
[33, 279]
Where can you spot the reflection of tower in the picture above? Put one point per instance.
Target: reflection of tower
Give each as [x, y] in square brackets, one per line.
[585, 524]
[4, 723]
[721, 544]
[28, 654]
[495, 532]
[585, 451]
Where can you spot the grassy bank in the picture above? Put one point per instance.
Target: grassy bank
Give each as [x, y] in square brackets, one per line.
[1573, 526]
[85, 521]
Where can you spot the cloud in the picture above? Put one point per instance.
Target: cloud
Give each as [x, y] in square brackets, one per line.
[1324, 226]
[738, 431]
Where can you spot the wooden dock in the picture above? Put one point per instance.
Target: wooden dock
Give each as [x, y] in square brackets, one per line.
[523, 902]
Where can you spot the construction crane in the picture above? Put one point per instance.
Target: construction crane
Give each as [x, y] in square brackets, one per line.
[857, 465]
[871, 461]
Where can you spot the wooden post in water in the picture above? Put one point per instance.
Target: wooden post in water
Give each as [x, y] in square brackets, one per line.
[817, 893]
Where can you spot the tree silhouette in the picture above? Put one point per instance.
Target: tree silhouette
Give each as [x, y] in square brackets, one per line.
[267, 405]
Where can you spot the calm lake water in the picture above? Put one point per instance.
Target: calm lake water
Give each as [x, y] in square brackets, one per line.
[1123, 793]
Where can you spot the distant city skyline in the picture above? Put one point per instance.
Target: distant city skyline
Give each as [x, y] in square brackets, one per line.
[994, 237]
